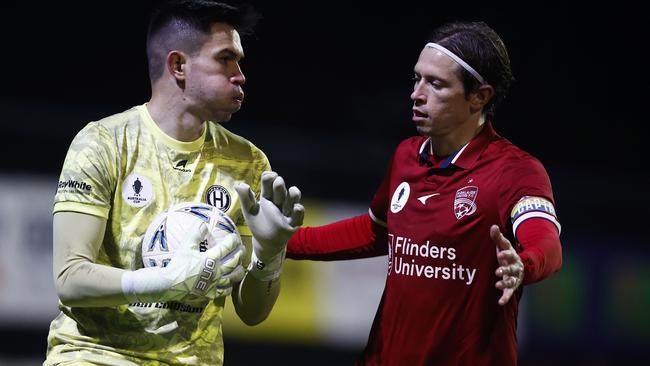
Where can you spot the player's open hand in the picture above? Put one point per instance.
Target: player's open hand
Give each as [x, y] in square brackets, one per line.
[275, 217]
[511, 268]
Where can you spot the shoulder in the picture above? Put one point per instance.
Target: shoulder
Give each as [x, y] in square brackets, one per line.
[512, 157]
[233, 146]
[526, 174]
[111, 126]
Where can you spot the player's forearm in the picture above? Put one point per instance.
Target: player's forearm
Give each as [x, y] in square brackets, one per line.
[352, 238]
[86, 284]
[542, 251]
[78, 279]
[254, 299]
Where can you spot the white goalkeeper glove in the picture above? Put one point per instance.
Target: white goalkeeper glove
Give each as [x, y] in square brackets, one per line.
[272, 221]
[208, 274]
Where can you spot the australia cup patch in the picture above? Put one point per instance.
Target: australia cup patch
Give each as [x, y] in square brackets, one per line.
[137, 190]
[465, 201]
[218, 197]
[400, 196]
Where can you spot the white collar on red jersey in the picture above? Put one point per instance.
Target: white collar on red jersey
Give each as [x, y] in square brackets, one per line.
[451, 159]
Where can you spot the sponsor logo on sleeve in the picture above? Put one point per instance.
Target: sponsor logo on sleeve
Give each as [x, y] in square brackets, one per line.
[75, 186]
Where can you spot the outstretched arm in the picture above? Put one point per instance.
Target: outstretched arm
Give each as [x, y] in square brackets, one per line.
[511, 268]
[540, 256]
[353, 238]
[541, 249]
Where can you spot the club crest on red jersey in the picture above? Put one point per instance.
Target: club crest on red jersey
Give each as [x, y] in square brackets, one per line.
[465, 201]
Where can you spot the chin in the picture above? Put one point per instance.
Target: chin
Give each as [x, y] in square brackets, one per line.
[424, 131]
[223, 117]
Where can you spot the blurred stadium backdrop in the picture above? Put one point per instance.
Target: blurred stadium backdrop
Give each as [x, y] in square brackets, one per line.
[597, 304]
[327, 100]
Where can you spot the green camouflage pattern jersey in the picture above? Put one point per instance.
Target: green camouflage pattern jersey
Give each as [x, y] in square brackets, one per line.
[125, 169]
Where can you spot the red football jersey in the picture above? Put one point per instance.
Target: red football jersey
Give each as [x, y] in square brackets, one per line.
[440, 304]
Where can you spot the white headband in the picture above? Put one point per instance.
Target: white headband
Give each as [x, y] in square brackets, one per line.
[458, 60]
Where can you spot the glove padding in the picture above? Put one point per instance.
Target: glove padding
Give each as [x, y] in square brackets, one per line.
[210, 274]
[274, 218]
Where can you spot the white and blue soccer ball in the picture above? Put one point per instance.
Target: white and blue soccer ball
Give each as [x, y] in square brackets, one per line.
[169, 228]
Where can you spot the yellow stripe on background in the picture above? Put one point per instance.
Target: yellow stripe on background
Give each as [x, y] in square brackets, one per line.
[294, 318]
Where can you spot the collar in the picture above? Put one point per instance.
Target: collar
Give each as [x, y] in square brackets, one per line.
[190, 146]
[466, 156]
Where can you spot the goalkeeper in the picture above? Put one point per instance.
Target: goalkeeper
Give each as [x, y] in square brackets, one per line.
[123, 170]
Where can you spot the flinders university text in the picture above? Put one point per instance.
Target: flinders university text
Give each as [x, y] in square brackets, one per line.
[412, 259]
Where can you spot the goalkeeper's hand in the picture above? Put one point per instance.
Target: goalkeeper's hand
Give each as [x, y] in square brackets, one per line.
[272, 221]
[210, 274]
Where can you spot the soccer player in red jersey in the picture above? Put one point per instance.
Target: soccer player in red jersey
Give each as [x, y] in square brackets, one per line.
[465, 217]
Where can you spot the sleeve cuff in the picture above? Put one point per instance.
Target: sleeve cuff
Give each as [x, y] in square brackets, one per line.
[81, 208]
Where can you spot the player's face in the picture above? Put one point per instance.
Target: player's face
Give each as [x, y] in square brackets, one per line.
[214, 78]
[440, 107]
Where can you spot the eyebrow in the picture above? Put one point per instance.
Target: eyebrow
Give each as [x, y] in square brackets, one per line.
[231, 53]
[431, 77]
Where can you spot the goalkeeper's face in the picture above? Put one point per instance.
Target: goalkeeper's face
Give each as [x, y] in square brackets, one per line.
[213, 77]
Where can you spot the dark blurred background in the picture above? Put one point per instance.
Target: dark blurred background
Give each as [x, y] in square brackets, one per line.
[327, 98]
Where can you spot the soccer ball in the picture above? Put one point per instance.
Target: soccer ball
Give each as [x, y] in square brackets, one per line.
[167, 231]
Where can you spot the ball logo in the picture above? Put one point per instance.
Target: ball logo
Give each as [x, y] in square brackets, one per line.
[204, 279]
[218, 197]
[137, 190]
[400, 196]
[465, 201]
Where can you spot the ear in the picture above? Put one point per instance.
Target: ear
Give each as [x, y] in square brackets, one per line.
[176, 65]
[482, 96]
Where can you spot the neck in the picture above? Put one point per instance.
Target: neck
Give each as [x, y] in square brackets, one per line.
[174, 119]
[451, 142]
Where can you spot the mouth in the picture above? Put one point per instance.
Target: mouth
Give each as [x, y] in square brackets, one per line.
[239, 98]
[419, 117]
[417, 113]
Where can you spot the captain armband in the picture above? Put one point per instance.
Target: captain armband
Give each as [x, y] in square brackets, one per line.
[530, 207]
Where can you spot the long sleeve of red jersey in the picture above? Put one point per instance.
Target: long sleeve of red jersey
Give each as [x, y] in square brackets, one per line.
[542, 251]
[353, 238]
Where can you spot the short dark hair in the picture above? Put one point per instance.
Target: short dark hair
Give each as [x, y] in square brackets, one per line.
[184, 24]
[482, 48]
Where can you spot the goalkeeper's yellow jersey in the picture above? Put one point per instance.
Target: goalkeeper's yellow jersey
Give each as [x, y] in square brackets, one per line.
[125, 169]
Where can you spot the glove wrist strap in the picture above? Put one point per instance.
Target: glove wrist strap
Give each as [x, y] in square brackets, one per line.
[267, 270]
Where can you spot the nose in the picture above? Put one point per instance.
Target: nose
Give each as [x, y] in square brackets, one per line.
[238, 78]
[418, 95]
